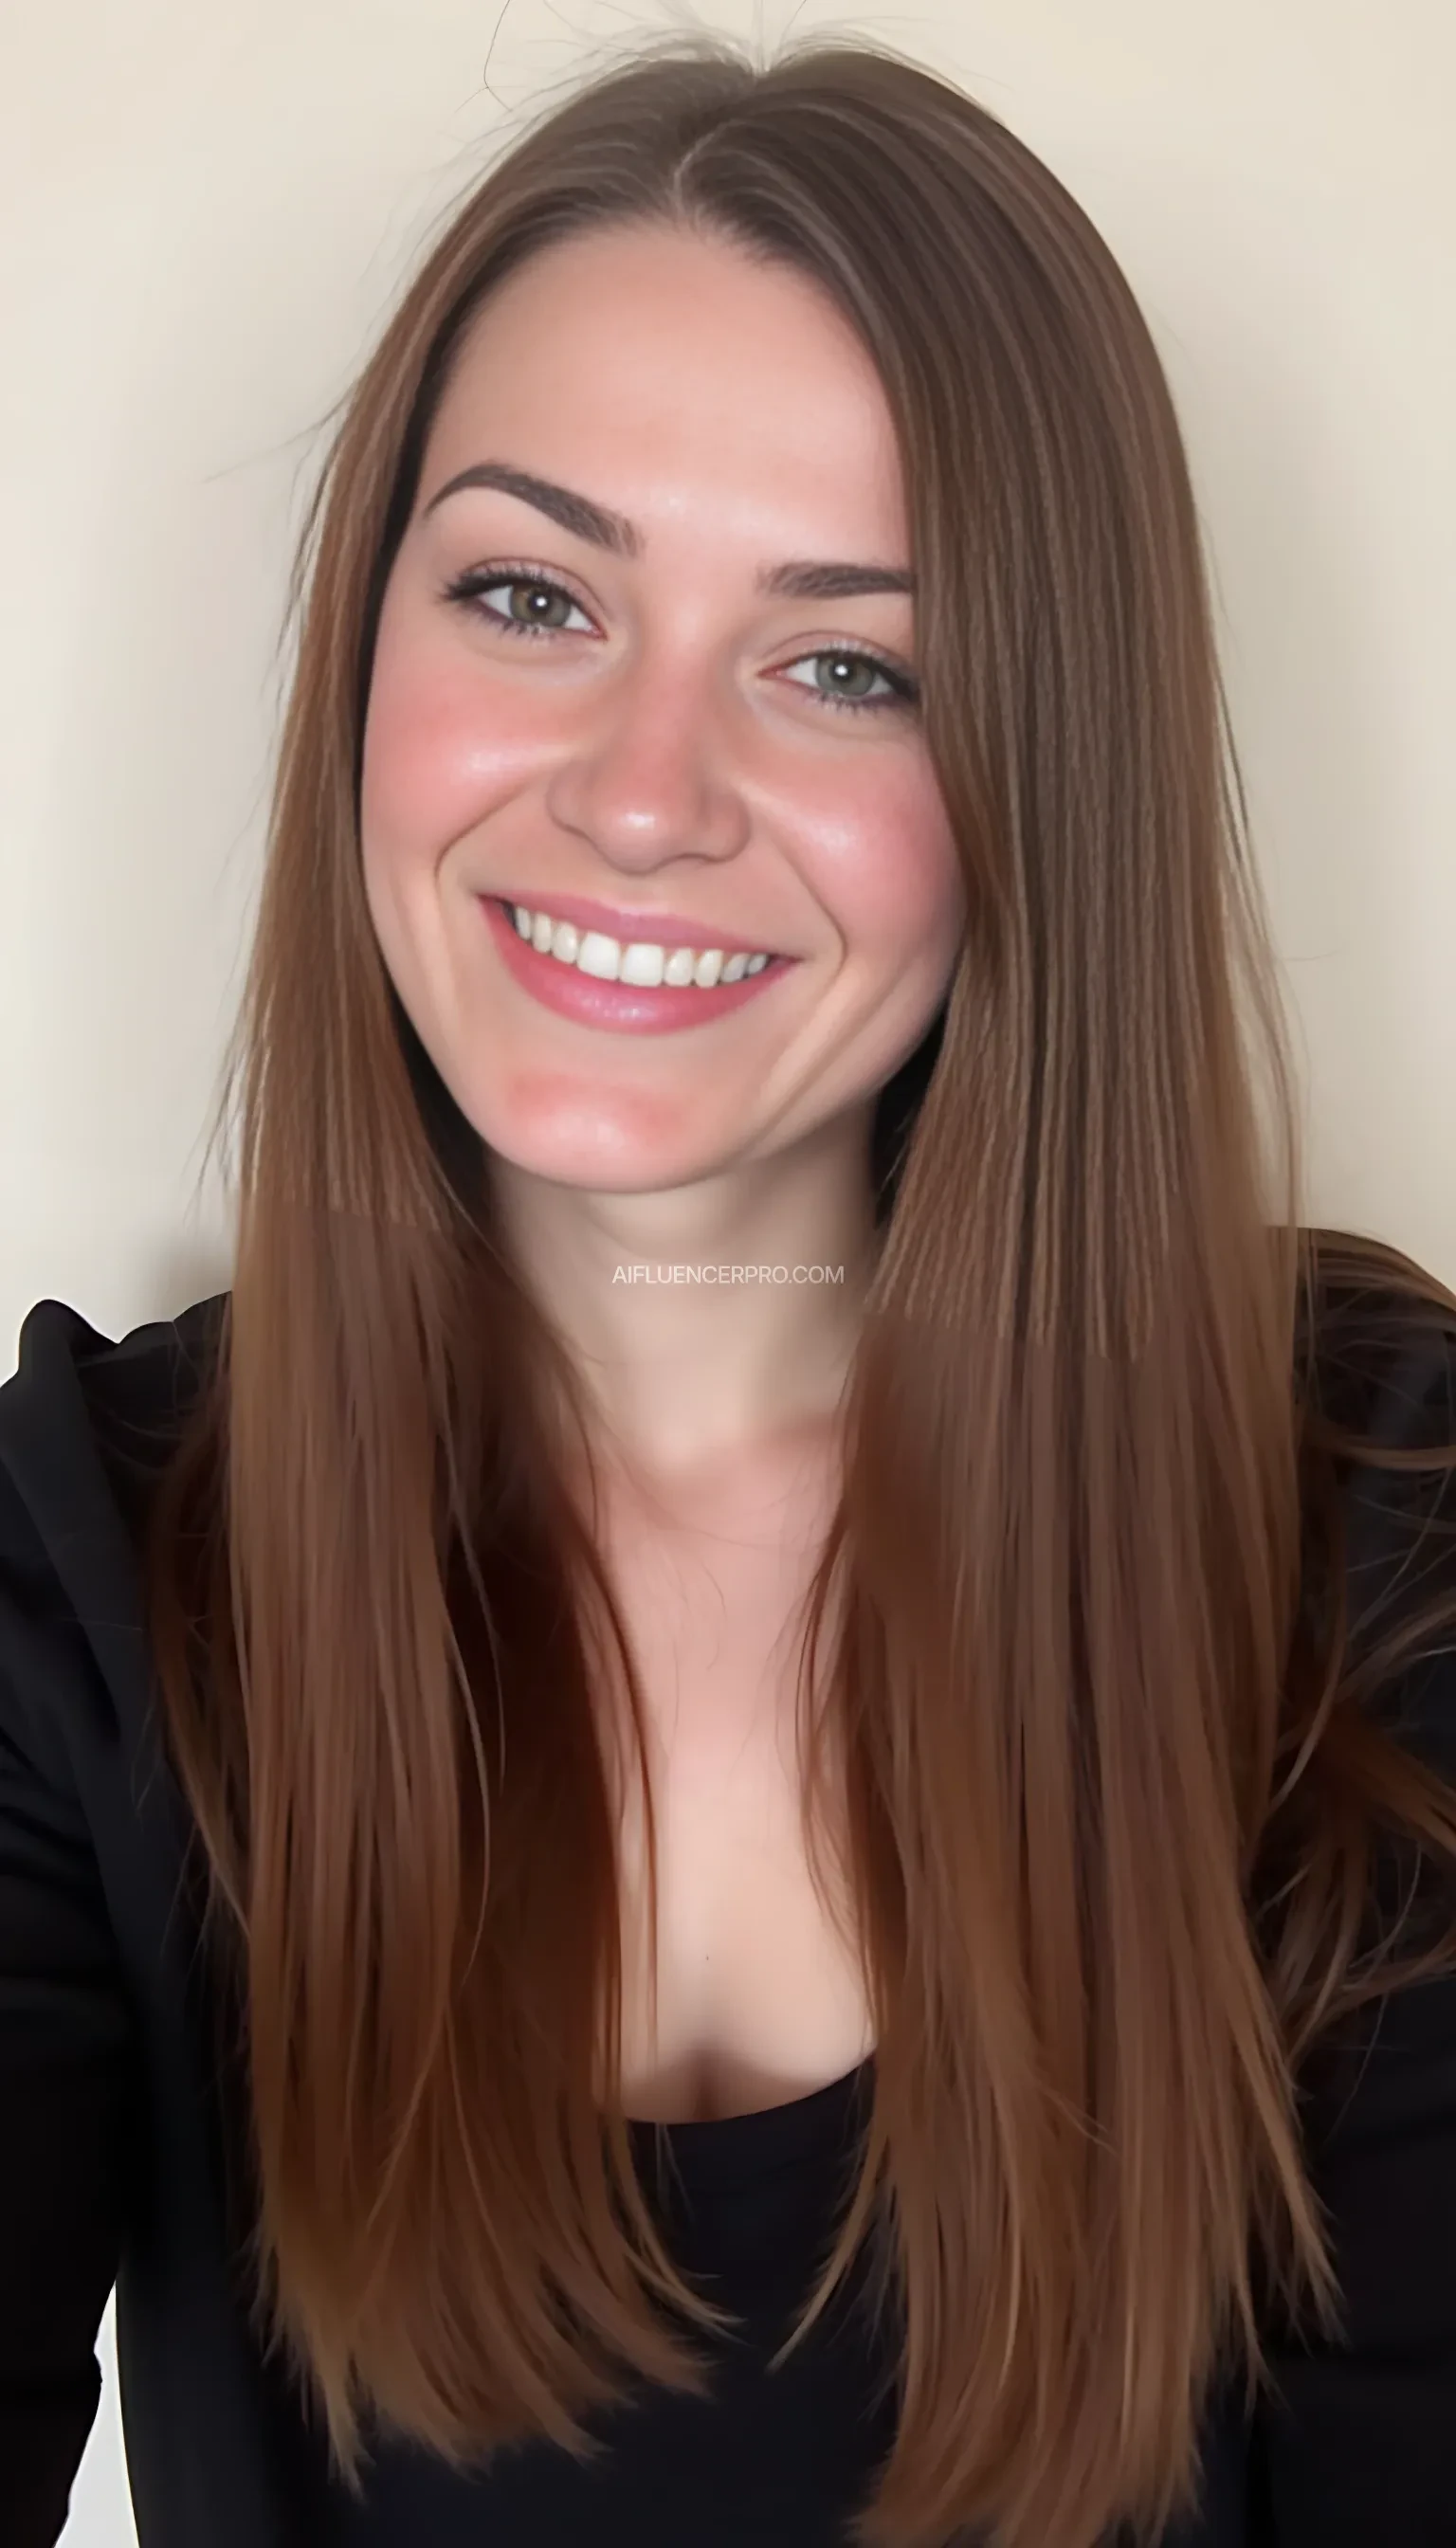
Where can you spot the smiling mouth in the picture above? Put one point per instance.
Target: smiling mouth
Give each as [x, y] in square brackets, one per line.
[637, 963]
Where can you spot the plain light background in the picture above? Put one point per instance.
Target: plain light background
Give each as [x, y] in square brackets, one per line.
[208, 213]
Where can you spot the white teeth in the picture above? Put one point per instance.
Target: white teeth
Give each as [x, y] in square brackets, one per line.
[609, 960]
[600, 956]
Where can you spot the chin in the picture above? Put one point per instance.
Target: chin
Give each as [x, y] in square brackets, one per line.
[598, 1164]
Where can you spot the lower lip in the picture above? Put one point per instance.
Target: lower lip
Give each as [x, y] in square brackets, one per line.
[624, 1005]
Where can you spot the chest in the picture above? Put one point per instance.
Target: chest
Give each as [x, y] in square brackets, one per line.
[760, 1998]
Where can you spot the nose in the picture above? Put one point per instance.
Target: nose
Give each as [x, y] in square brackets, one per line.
[647, 779]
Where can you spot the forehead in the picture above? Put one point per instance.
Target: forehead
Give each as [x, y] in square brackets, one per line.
[657, 371]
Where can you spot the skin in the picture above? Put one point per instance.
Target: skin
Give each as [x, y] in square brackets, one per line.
[674, 745]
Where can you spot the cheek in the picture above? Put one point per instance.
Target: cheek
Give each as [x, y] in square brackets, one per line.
[891, 872]
[435, 759]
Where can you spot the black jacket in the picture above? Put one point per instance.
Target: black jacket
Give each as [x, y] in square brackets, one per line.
[112, 2128]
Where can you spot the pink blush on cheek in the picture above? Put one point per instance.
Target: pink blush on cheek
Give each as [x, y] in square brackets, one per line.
[893, 873]
[433, 764]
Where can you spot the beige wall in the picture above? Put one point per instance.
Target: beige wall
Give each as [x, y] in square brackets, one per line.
[207, 210]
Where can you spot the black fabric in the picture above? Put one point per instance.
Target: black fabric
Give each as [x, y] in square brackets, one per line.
[118, 2130]
[770, 2456]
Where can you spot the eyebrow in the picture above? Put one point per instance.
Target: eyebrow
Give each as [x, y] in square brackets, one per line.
[796, 579]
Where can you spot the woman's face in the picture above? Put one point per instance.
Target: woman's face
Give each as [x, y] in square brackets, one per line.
[666, 734]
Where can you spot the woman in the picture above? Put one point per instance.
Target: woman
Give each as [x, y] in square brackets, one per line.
[932, 1712]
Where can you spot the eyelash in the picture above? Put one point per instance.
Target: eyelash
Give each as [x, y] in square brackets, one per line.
[466, 590]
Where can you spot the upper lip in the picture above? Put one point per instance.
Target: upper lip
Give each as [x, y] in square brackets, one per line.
[652, 927]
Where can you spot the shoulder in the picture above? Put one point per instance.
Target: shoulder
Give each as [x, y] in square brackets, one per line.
[1384, 1397]
[1384, 1400]
[84, 1419]
[79, 1398]
[1378, 1357]
[65, 1369]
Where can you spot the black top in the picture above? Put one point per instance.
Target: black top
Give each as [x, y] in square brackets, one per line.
[773, 2459]
[115, 2133]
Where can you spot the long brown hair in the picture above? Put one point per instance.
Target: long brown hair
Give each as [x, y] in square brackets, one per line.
[1091, 1711]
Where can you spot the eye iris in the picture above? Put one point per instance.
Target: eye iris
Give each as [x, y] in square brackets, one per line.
[543, 601]
[854, 666]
